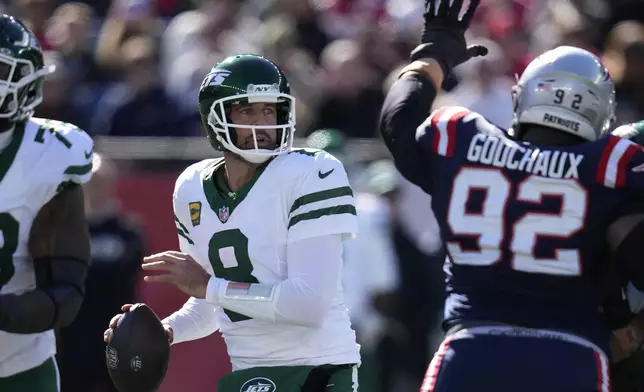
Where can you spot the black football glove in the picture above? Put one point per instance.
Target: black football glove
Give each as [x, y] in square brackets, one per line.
[443, 37]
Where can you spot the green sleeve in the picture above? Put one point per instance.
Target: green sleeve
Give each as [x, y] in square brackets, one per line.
[634, 132]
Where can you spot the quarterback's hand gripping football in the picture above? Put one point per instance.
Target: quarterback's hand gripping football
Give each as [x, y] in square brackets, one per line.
[179, 269]
[114, 321]
[443, 36]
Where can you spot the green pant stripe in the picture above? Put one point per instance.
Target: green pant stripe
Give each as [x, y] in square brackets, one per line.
[354, 379]
[321, 195]
[345, 380]
[315, 214]
[57, 374]
[42, 378]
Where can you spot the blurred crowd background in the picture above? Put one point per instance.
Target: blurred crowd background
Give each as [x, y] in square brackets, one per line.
[132, 69]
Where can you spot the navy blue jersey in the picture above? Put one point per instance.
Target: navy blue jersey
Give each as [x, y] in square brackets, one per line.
[524, 225]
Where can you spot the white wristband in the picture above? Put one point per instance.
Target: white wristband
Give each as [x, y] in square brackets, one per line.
[212, 290]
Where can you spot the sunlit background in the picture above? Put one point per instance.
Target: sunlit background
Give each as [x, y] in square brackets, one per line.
[128, 73]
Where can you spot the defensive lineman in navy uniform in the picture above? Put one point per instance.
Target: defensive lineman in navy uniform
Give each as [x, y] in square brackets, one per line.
[624, 307]
[528, 215]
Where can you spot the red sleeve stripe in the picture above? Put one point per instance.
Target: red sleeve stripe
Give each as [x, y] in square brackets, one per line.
[622, 167]
[603, 161]
[433, 120]
[444, 123]
[618, 152]
[431, 376]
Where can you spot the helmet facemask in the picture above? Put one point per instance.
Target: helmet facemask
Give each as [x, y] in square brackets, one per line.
[20, 87]
[224, 129]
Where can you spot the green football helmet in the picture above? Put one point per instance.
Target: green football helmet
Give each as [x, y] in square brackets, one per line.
[246, 79]
[22, 71]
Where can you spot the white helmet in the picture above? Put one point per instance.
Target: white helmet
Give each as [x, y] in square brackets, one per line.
[567, 89]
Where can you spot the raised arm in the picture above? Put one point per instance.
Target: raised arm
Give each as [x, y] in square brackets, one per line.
[410, 98]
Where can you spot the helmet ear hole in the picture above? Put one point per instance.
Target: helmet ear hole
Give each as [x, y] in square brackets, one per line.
[283, 113]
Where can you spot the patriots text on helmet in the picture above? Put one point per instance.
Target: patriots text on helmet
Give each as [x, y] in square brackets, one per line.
[568, 124]
[492, 151]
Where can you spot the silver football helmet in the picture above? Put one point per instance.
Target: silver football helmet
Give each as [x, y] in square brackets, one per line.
[567, 89]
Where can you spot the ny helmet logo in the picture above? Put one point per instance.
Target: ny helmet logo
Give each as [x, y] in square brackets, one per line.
[263, 88]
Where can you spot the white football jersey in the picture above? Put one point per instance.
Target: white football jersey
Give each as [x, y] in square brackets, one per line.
[42, 156]
[244, 237]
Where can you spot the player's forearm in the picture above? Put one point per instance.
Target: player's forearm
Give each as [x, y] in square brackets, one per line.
[626, 341]
[428, 67]
[195, 320]
[54, 304]
[290, 302]
[624, 239]
[406, 106]
[303, 299]
[31, 312]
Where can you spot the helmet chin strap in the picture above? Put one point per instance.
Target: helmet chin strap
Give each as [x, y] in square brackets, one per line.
[5, 137]
[254, 159]
[6, 125]
[251, 159]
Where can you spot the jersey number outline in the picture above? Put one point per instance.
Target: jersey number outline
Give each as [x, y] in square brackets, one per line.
[488, 225]
[9, 230]
[239, 270]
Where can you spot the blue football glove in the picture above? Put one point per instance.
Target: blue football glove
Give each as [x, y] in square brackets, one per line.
[443, 37]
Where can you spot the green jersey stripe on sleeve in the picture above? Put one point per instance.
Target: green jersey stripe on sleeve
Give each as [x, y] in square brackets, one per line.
[182, 234]
[315, 214]
[78, 170]
[321, 195]
[183, 228]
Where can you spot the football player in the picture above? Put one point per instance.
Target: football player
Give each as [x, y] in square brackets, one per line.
[526, 219]
[44, 241]
[624, 308]
[260, 233]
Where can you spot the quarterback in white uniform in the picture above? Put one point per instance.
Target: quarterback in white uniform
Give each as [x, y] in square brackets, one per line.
[44, 240]
[261, 235]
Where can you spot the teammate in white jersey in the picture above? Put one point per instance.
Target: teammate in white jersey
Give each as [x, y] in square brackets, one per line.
[44, 241]
[261, 234]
